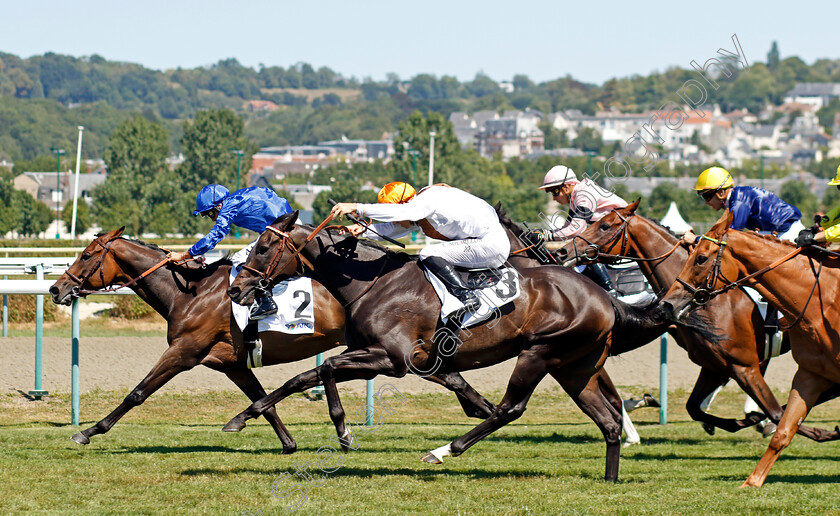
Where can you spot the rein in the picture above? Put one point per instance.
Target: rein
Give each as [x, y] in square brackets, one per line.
[302, 262]
[79, 292]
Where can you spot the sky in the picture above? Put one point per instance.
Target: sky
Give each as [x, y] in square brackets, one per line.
[591, 41]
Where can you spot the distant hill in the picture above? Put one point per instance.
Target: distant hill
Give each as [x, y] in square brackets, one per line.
[43, 98]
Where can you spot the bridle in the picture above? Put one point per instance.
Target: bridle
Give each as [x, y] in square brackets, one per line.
[702, 295]
[592, 252]
[286, 242]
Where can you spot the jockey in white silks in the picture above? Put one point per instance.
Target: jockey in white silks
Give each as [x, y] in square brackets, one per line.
[469, 228]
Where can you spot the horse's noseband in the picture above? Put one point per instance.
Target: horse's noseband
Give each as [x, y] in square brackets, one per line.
[286, 242]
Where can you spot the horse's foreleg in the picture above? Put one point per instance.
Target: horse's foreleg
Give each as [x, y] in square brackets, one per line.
[804, 392]
[172, 362]
[250, 385]
[474, 404]
[359, 364]
[345, 436]
[529, 370]
[588, 394]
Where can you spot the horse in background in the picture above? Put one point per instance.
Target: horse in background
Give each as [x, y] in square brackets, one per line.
[742, 356]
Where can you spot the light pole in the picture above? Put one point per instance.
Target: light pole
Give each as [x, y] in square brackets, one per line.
[761, 168]
[432, 157]
[58, 153]
[239, 153]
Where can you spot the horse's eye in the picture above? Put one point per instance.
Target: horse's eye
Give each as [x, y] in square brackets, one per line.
[262, 249]
[701, 260]
[605, 226]
[85, 257]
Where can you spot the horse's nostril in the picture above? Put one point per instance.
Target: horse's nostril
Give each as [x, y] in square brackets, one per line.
[54, 290]
[233, 292]
[563, 253]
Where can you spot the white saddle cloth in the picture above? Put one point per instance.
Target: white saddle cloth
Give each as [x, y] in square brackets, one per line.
[295, 308]
[492, 298]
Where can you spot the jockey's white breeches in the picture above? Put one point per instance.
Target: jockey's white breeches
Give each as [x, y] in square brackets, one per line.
[491, 250]
[241, 256]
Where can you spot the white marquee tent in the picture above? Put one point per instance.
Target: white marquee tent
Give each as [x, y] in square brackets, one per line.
[674, 221]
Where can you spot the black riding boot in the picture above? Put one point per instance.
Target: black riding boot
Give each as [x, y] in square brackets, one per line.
[263, 306]
[597, 272]
[446, 272]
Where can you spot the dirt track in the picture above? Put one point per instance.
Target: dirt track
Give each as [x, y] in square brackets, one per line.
[120, 363]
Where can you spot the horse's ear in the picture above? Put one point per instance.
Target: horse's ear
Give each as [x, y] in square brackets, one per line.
[285, 222]
[722, 225]
[119, 232]
[633, 206]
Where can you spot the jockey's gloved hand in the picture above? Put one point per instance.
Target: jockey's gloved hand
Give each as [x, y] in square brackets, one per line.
[806, 238]
[540, 235]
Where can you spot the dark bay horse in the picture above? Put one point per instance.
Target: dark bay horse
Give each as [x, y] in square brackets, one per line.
[561, 325]
[201, 331]
[804, 291]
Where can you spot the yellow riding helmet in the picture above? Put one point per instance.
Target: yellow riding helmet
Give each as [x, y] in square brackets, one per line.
[396, 193]
[836, 180]
[714, 178]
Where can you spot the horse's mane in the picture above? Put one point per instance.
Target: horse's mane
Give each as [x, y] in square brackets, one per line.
[666, 228]
[506, 221]
[771, 238]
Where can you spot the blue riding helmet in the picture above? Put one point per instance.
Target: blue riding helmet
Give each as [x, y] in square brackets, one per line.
[208, 197]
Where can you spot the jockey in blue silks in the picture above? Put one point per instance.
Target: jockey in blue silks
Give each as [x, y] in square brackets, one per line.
[251, 208]
[752, 208]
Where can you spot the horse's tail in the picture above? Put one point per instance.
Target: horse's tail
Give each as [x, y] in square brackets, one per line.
[636, 325]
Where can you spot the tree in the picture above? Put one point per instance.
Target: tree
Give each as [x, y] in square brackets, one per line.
[797, 194]
[588, 140]
[136, 156]
[83, 216]
[773, 57]
[207, 144]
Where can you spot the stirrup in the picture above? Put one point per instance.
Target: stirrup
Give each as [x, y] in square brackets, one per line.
[263, 308]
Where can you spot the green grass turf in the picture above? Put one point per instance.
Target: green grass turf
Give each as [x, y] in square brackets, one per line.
[169, 456]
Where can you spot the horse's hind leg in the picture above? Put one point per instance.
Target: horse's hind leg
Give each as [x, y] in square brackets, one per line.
[707, 382]
[529, 370]
[173, 361]
[250, 385]
[805, 390]
[588, 395]
[474, 404]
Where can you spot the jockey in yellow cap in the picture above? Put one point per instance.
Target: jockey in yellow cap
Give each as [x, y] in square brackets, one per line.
[469, 227]
[753, 208]
[830, 224]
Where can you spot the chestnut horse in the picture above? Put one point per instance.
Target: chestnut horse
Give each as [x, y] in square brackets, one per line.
[742, 357]
[805, 292]
[200, 329]
[560, 325]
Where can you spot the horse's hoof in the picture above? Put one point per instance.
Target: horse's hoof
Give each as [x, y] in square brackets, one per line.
[431, 458]
[80, 438]
[347, 441]
[710, 429]
[233, 426]
[290, 450]
[631, 443]
[650, 401]
[769, 429]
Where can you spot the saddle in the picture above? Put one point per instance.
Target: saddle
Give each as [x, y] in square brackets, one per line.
[477, 279]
